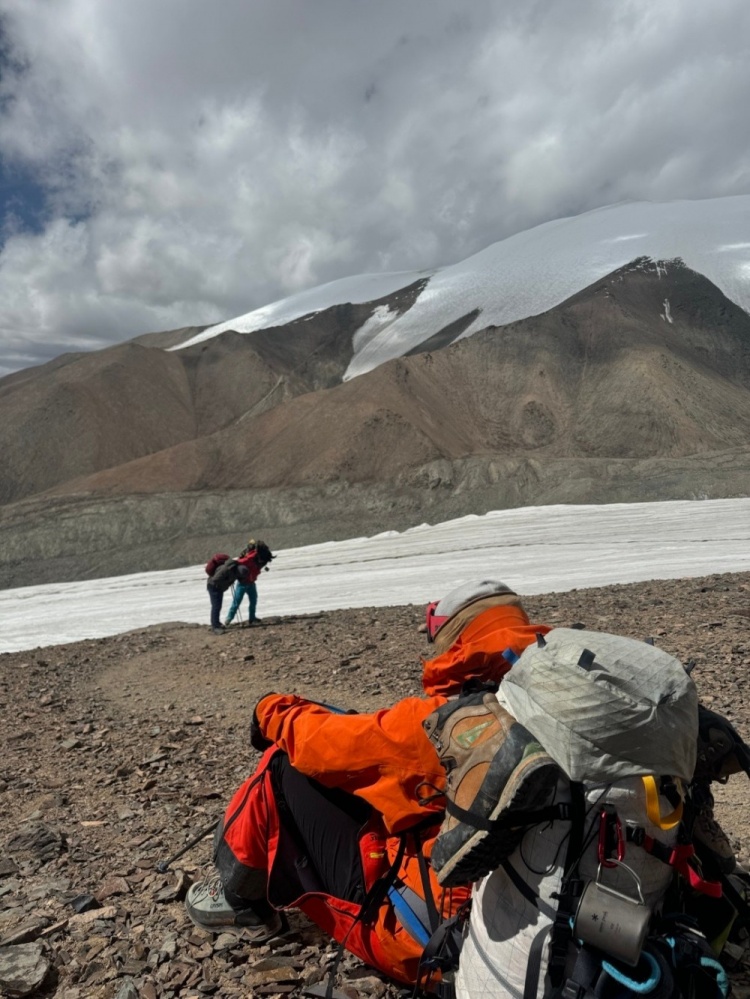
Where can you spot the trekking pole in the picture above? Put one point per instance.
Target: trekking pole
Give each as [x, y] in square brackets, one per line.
[163, 865]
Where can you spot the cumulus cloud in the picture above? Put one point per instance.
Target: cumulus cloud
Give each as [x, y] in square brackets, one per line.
[199, 160]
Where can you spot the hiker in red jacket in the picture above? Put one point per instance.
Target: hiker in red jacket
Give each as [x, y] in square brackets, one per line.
[256, 556]
[339, 818]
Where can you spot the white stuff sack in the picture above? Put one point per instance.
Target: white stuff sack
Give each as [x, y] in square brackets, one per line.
[503, 923]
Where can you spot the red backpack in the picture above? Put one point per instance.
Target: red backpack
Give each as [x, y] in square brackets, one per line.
[214, 562]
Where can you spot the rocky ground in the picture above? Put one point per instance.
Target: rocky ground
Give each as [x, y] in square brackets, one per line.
[120, 750]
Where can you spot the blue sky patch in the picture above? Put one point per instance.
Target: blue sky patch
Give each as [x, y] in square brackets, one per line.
[23, 202]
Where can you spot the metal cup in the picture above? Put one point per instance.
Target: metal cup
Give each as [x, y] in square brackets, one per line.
[611, 921]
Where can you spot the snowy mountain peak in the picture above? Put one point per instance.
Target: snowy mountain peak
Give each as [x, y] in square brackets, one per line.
[528, 273]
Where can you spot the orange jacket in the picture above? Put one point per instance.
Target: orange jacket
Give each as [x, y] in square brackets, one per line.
[386, 759]
[382, 757]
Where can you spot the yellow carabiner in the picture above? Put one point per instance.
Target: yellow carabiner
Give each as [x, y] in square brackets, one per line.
[653, 810]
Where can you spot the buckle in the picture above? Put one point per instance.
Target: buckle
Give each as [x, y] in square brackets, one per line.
[636, 835]
[572, 990]
[688, 948]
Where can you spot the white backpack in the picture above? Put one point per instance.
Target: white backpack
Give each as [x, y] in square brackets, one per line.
[620, 718]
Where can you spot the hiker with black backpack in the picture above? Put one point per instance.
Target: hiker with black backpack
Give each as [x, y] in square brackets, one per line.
[226, 572]
[256, 556]
[341, 814]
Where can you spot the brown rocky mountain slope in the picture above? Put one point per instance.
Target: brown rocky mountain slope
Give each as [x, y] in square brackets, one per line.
[605, 375]
[637, 388]
[120, 750]
[82, 413]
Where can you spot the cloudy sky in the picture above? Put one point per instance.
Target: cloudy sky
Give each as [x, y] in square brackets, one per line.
[181, 162]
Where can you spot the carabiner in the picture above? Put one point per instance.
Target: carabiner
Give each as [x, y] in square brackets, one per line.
[607, 820]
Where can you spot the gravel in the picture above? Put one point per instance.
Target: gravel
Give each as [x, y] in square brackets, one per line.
[120, 750]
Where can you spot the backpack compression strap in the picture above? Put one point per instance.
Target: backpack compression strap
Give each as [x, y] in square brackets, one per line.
[561, 933]
[678, 856]
[521, 817]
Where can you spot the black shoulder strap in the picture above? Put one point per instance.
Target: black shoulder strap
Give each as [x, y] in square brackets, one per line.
[561, 930]
[441, 952]
[443, 948]
[534, 964]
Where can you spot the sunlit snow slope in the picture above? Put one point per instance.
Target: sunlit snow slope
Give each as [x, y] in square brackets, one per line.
[531, 272]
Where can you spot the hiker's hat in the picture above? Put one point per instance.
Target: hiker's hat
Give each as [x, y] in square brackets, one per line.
[264, 552]
[439, 612]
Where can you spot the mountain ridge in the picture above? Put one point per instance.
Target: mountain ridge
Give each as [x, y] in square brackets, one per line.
[637, 387]
[670, 391]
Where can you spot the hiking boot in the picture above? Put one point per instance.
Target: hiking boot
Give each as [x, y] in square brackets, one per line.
[721, 749]
[711, 842]
[208, 908]
[494, 767]
[221, 630]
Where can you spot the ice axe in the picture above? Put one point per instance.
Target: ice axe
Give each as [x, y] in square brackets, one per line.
[163, 866]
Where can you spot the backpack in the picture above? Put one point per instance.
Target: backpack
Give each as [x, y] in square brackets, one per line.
[607, 898]
[214, 562]
[596, 903]
[440, 937]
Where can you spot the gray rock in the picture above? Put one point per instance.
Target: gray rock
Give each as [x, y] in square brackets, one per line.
[225, 941]
[23, 968]
[127, 990]
[37, 841]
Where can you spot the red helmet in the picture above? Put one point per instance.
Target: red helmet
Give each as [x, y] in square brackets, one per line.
[434, 621]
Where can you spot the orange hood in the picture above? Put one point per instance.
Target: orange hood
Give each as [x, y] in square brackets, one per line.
[478, 652]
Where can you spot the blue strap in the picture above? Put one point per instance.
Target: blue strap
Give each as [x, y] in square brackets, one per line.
[722, 979]
[641, 988]
[705, 961]
[411, 912]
